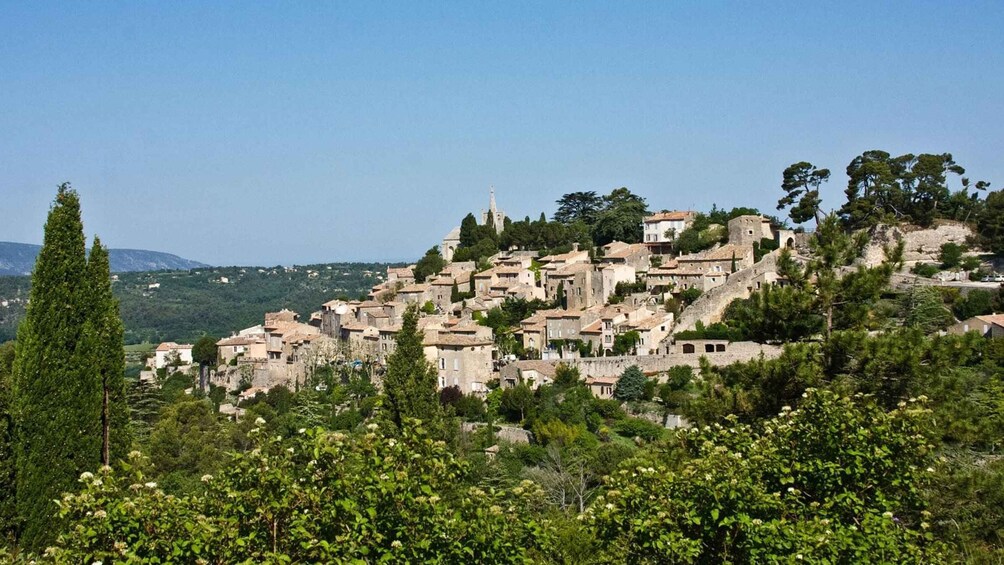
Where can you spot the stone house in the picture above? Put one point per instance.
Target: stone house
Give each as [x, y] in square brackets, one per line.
[660, 229]
[747, 230]
[611, 321]
[533, 373]
[602, 387]
[651, 331]
[403, 275]
[577, 282]
[418, 293]
[605, 280]
[533, 330]
[718, 260]
[636, 255]
[285, 335]
[230, 348]
[462, 361]
[990, 325]
[565, 325]
[169, 352]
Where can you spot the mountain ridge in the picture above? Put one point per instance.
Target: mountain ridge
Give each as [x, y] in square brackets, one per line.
[19, 259]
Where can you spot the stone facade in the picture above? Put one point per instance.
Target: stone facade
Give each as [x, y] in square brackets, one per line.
[747, 230]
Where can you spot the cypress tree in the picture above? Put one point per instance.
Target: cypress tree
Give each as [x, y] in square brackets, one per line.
[57, 406]
[410, 383]
[108, 357]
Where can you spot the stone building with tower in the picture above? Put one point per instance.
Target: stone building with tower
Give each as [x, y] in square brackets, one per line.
[452, 240]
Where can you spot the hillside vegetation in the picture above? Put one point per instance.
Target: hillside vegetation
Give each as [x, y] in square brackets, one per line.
[192, 303]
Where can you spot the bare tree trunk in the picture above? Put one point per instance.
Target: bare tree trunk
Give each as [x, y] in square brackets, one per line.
[105, 428]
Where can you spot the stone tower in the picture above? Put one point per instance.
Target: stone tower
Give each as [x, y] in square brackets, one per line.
[493, 213]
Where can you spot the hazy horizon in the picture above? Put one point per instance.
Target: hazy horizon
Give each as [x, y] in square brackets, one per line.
[264, 134]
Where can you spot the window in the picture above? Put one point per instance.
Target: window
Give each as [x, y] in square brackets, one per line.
[709, 348]
[442, 362]
[456, 364]
[608, 338]
[688, 347]
[720, 347]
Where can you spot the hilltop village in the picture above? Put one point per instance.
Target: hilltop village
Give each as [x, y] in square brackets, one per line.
[513, 316]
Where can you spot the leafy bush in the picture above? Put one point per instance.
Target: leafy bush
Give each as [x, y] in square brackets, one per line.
[636, 427]
[836, 481]
[951, 255]
[318, 497]
[926, 270]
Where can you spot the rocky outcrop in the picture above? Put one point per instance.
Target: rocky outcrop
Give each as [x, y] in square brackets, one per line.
[919, 244]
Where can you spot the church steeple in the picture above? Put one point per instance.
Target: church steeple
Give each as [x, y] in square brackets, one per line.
[493, 217]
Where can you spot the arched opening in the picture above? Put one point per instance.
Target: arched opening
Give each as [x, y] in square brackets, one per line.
[688, 347]
[790, 243]
[719, 347]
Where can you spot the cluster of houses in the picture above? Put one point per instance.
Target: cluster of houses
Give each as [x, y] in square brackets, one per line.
[586, 319]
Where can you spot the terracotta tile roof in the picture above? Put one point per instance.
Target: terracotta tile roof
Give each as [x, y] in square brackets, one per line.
[171, 346]
[231, 341]
[422, 287]
[627, 251]
[996, 319]
[651, 322]
[545, 368]
[593, 328]
[455, 340]
[668, 216]
[572, 269]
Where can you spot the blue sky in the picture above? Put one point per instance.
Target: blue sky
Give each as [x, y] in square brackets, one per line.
[295, 132]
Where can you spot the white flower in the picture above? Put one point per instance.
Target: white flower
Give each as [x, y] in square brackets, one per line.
[930, 469]
[206, 478]
[372, 427]
[100, 514]
[301, 431]
[260, 421]
[887, 515]
[86, 476]
[289, 450]
[151, 485]
[396, 544]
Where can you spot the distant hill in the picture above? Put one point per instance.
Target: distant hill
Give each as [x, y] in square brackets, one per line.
[181, 305]
[19, 259]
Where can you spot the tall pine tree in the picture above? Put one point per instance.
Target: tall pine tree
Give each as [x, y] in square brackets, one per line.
[410, 383]
[56, 402]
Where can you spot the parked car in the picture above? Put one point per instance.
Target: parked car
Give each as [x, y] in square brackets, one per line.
[994, 278]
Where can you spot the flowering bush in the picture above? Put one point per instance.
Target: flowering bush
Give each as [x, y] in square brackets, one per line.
[838, 480]
[319, 497]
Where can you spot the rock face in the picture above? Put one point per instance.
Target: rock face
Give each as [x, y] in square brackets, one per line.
[920, 245]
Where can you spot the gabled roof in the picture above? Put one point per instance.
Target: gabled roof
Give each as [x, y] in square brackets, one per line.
[455, 340]
[627, 251]
[171, 346]
[668, 216]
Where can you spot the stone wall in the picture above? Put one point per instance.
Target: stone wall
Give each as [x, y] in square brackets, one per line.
[709, 307]
[651, 364]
